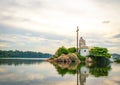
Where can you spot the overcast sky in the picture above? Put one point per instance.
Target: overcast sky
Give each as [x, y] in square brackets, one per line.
[45, 25]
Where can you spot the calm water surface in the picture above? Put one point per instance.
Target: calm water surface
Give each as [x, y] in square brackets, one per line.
[38, 72]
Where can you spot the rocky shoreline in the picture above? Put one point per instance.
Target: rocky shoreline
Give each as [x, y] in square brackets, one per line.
[70, 58]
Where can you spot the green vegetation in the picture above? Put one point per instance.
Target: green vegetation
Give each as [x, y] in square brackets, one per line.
[100, 68]
[99, 55]
[82, 58]
[72, 50]
[96, 53]
[100, 65]
[63, 50]
[101, 62]
[65, 68]
[117, 60]
[97, 69]
[21, 54]
[100, 71]
[99, 52]
[64, 71]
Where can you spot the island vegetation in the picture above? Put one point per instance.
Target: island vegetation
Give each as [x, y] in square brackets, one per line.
[66, 55]
[99, 52]
[98, 67]
[99, 55]
[23, 54]
[96, 54]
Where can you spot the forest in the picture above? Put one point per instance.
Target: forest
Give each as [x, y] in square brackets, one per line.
[23, 54]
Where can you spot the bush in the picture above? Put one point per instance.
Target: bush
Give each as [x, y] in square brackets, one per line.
[99, 52]
[72, 50]
[82, 58]
[62, 50]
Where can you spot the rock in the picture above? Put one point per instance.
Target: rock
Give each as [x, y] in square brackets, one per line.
[67, 58]
[88, 61]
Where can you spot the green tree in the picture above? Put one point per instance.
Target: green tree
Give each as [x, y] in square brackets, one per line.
[99, 52]
[72, 50]
[62, 50]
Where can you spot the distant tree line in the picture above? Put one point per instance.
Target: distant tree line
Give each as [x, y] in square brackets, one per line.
[22, 54]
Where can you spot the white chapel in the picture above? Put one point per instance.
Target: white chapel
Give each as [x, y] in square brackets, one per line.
[83, 49]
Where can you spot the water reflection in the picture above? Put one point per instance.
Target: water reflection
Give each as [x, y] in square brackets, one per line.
[18, 61]
[37, 72]
[83, 70]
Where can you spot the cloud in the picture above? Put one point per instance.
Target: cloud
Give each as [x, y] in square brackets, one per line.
[106, 22]
[18, 31]
[22, 39]
[52, 23]
[117, 36]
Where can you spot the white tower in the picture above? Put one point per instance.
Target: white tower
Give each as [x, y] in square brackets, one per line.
[83, 49]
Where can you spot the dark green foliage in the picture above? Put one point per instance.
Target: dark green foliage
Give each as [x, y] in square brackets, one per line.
[21, 54]
[101, 67]
[72, 50]
[99, 52]
[62, 50]
[101, 71]
[82, 58]
[117, 60]
[62, 72]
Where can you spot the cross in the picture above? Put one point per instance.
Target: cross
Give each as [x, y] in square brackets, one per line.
[77, 52]
[77, 37]
[77, 29]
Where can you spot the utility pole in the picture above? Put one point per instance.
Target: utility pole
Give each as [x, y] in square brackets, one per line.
[77, 52]
[77, 37]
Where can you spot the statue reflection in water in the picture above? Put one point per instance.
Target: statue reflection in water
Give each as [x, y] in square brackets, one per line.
[82, 75]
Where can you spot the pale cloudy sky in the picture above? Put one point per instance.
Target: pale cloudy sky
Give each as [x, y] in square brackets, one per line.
[45, 25]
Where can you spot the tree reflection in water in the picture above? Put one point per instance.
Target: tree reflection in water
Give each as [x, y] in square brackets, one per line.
[17, 62]
[83, 70]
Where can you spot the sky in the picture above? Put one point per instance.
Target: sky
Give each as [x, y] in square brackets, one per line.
[46, 25]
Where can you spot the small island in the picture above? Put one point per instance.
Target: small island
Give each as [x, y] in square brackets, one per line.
[82, 54]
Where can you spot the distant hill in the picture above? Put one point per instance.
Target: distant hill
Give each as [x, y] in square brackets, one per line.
[114, 56]
[22, 54]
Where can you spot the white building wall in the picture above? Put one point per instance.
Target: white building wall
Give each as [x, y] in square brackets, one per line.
[84, 52]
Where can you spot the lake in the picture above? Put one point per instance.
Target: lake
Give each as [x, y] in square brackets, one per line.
[39, 72]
